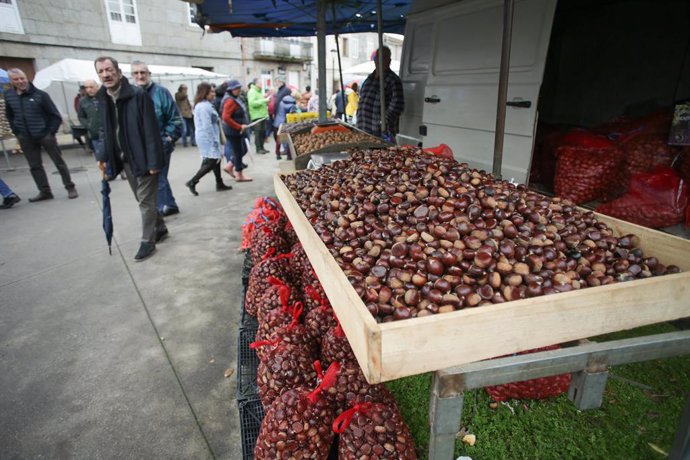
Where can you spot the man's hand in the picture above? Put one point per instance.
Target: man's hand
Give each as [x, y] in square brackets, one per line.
[244, 128]
[101, 166]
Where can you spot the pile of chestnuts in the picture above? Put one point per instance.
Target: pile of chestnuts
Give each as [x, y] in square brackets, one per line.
[418, 235]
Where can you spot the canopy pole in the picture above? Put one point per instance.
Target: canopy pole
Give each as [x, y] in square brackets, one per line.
[503, 88]
[340, 67]
[321, 54]
[379, 57]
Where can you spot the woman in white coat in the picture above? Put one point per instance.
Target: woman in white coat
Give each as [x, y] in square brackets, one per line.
[207, 135]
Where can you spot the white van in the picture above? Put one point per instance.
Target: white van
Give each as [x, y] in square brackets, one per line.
[578, 63]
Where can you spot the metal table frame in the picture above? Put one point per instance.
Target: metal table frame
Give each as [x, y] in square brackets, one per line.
[587, 361]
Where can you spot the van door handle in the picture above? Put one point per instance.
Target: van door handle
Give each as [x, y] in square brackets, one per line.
[432, 100]
[520, 104]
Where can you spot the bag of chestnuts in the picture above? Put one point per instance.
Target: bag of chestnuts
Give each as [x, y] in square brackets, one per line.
[540, 388]
[320, 319]
[284, 368]
[264, 238]
[374, 430]
[298, 424]
[351, 387]
[287, 327]
[270, 268]
[335, 347]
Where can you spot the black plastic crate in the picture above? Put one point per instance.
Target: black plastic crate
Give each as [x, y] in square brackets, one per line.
[246, 269]
[251, 415]
[247, 321]
[247, 363]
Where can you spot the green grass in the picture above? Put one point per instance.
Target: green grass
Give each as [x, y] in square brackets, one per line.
[642, 405]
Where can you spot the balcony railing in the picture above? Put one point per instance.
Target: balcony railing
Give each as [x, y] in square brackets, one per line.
[280, 49]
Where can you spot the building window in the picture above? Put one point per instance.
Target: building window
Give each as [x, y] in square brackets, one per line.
[266, 46]
[10, 21]
[295, 50]
[191, 9]
[354, 47]
[345, 48]
[123, 22]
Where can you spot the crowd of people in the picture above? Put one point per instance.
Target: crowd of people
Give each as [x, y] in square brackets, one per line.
[132, 129]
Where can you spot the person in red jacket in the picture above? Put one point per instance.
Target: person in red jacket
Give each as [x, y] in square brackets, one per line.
[235, 120]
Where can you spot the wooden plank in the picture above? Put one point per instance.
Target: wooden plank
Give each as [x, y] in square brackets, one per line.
[398, 349]
[469, 335]
[359, 326]
[669, 249]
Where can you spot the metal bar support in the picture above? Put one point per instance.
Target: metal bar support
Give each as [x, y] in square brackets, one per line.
[589, 363]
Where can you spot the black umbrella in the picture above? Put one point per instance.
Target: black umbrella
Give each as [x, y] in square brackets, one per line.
[107, 213]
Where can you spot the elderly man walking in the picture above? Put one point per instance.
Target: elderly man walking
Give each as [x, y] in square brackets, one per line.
[170, 123]
[35, 120]
[131, 141]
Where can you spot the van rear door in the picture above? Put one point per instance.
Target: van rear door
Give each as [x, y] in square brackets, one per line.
[458, 78]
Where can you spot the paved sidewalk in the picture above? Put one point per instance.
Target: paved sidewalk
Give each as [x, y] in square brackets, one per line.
[102, 357]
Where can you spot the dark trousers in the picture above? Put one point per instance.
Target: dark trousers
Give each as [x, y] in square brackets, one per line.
[188, 130]
[165, 194]
[278, 145]
[238, 148]
[145, 189]
[32, 152]
[259, 137]
[208, 165]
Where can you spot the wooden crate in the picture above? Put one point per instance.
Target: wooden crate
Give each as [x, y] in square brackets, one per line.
[397, 349]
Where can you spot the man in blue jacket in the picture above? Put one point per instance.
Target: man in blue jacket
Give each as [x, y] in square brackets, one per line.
[170, 123]
[131, 141]
[35, 120]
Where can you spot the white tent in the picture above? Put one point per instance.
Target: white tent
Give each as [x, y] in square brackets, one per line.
[78, 70]
[64, 77]
[365, 68]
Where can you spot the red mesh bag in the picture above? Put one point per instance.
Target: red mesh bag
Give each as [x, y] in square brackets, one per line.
[642, 153]
[335, 347]
[298, 424]
[290, 235]
[303, 269]
[441, 150]
[544, 156]
[586, 167]
[373, 430]
[276, 296]
[541, 388]
[320, 319]
[266, 238]
[292, 332]
[270, 268]
[286, 367]
[351, 387]
[655, 199]
[265, 210]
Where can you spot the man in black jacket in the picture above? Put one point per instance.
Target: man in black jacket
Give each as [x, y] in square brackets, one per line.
[131, 141]
[34, 119]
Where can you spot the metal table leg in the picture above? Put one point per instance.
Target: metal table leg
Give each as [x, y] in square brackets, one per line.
[681, 445]
[444, 418]
[587, 389]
